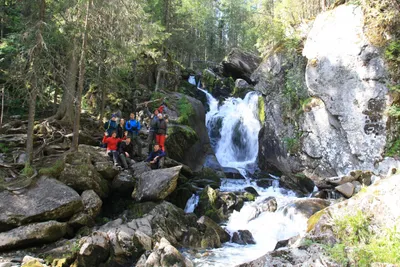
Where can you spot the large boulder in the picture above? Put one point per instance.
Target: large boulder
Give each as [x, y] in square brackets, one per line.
[243, 237]
[239, 64]
[94, 250]
[124, 182]
[46, 199]
[156, 184]
[32, 234]
[91, 203]
[106, 169]
[207, 222]
[305, 207]
[165, 255]
[209, 206]
[344, 93]
[81, 175]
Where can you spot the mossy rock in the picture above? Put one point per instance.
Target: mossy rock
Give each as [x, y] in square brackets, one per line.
[53, 171]
[180, 139]
[209, 174]
[249, 196]
[209, 206]
[314, 219]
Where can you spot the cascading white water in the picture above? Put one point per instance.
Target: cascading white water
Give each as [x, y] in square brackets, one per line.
[191, 203]
[233, 128]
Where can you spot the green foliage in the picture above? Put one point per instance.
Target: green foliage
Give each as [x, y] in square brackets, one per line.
[393, 148]
[28, 171]
[293, 144]
[360, 244]
[3, 148]
[186, 111]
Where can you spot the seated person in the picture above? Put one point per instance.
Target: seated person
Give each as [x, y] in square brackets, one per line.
[126, 153]
[155, 156]
[112, 145]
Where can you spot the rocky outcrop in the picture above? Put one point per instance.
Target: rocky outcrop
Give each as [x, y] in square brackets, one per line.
[46, 199]
[239, 64]
[164, 255]
[94, 250]
[157, 184]
[32, 234]
[91, 203]
[342, 123]
[81, 175]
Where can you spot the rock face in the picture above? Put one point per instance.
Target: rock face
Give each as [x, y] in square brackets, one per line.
[32, 234]
[239, 64]
[343, 124]
[157, 184]
[81, 175]
[47, 199]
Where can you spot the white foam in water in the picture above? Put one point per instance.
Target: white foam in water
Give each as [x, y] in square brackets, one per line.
[236, 146]
[192, 203]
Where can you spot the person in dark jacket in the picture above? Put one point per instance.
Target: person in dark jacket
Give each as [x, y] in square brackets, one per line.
[133, 127]
[126, 152]
[111, 125]
[162, 129]
[153, 128]
[121, 129]
[155, 157]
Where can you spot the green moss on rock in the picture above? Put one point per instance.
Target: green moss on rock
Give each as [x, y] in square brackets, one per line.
[53, 171]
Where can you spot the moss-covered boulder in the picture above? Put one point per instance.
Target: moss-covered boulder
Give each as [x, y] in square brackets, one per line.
[209, 206]
[180, 139]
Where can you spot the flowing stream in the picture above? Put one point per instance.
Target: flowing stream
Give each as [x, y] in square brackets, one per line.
[233, 128]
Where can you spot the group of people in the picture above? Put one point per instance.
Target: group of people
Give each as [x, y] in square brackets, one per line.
[122, 137]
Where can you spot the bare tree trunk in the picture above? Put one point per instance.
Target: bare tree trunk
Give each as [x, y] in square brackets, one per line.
[33, 90]
[2, 106]
[66, 109]
[75, 140]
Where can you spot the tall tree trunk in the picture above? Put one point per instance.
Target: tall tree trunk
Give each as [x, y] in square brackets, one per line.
[75, 140]
[33, 90]
[65, 110]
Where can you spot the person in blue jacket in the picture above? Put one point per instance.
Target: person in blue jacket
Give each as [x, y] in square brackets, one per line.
[156, 157]
[133, 128]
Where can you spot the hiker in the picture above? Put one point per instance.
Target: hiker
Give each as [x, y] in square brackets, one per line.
[126, 152]
[111, 125]
[162, 129]
[133, 127]
[155, 158]
[153, 127]
[112, 144]
[121, 129]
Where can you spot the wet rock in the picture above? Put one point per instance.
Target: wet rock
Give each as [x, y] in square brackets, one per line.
[267, 205]
[32, 234]
[299, 183]
[239, 64]
[305, 207]
[157, 184]
[106, 170]
[165, 255]
[124, 183]
[81, 175]
[210, 239]
[243, 237]
[264, 183]
[47, 199]
[94, 250]
[357, 186]
[223, 235]
[208, 205]
[91, 203]
[346, 189]
[192, 238]
[232, 173]
[241, 88]
[230, 202]
[251, 190]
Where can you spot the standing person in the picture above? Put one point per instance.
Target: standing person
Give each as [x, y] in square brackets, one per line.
[121, 129]
[112, 144]
[155, 157]
[126, 152]
[153, 128]
[111, 125]
[162, 129]
[133, 127]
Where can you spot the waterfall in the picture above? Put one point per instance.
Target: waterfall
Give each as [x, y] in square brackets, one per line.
[192, 203]
[233, 128]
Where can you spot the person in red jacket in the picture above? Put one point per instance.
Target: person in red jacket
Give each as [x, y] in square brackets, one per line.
[112, 145]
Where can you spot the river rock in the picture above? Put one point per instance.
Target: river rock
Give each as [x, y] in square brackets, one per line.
[251, 190]
[165, 255]
[46, 199]
[269, 204]
[157, 184]
[209, 206]
[106, 170]
[32, 234]
[232, 173]
[243, 237]
[81, 175]
[223, 235]
[124, 182]
[94, 250]
[346, 189]
[91, 203]
[239, 64]
[210, 239]
[305, 207]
